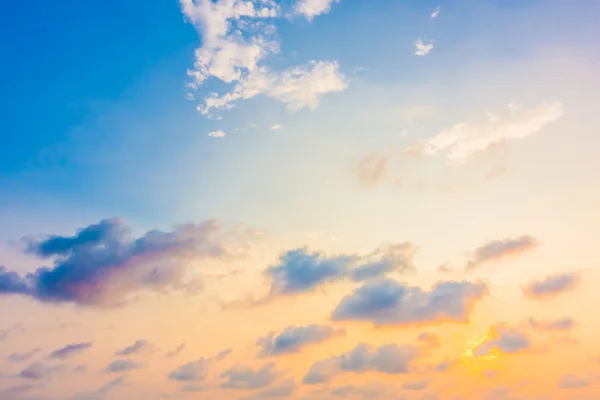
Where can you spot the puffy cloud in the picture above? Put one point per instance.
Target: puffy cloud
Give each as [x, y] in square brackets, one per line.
[505, 339]
[140, 346]
[243, 377]
[466, 139]
[301, 271]
[101, 264]
[216, 134]
[551, 286]
[192, 371]
[388, 359]
[121, 366]
[388, 302]
[176, 350]
[236, 37]
[294, 338]
[11, 282]
[499, 249]
[573, 382]
[422, 48]
[553, 325]
[70, 350]
[310, 9]
[18, 357]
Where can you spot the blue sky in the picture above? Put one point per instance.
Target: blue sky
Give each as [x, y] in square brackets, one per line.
[413, 137]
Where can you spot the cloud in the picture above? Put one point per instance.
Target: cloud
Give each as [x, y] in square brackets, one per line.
[101, 264]
[140, 346]
[499, 249]
[14, 391]
[192, 371]
[276, 127]
[416, 385]
[373, 390]
[551, 286]
[192, 388]
[284, 389]
[573, 382]
[175, 351]
[216, 134]
[223, 354]
[466, 139]
[11, 282]
[430, 340]
[38, 371]
[388, 359]
[505, 339]
[294, 338]
[301, 271]
[388, 302]
[436, 12]
[237, 36]
[18, 357]
[121, 366]
[70, 350]
[243, 377]
[310, 9]
[553, 325]
[422, 48]
[371, 169]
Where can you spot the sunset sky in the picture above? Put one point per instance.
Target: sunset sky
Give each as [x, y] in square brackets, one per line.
[300, 199]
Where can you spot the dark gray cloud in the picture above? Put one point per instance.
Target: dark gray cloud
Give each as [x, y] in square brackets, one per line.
[388, 302]
[101, 264]
[551, 286]
[118, 366]
[140, 346]
[553, 325]
[498, 249]
[302, 271]
[176, 350]
[243, 377]
[416, 385]
[573, 382]
[389, 359]
[70, 350]
[192, 371]
[18, 357]
[505, 339]
[294, 338]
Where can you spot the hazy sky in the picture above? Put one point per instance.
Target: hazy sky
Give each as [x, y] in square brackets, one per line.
[300, 199]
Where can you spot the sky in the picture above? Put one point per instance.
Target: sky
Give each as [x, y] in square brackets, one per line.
[299, 199]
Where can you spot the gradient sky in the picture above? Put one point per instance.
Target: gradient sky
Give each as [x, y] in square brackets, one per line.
[300, 199]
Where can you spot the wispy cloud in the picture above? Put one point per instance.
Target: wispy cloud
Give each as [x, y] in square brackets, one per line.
[551, 286]
[436, 12]
[294, 338]
[70, 350]
[468, 138]
[140, 346]
[499, 249]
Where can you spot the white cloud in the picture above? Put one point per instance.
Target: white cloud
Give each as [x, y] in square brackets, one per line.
[436, 12]
[276, 127]
[236, 38]
[465, 139]
[422, 48]
[216, 134]
[310, 9]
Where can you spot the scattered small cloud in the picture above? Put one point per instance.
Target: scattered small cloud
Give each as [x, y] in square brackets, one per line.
[175, 351]
[423, 48]
[570, 381]
[276, 127]
[39, 371]
[216, 134]
[295, 338]
[499, 249]
[430, 340]
[223, 354]
[494, 173]
[118, 366]
[464, 140]
[551, 286]
[372, 390]
[505, 339]
[553, 325]
[436, 12]
[18, 357]
[243, 377]
[191, 371]
[70, 350]
[371, 169]
[388, 302]
[310, 9]
[140, 346]
[416, 385]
